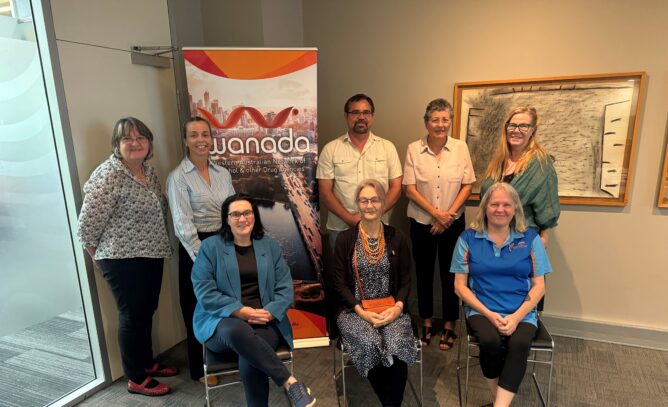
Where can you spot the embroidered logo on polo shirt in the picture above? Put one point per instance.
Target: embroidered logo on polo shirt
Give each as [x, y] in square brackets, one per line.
[520, 245]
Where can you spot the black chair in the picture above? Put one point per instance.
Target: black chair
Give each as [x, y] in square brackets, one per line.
[227, 364]
[346, 362]
[542, 344]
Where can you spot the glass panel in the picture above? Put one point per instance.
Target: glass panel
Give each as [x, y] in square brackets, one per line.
[44, 343]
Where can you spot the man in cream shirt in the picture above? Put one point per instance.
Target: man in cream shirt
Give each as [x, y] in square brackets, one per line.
[348, 160]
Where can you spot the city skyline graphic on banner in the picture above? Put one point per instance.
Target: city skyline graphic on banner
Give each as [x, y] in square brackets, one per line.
[265, 134]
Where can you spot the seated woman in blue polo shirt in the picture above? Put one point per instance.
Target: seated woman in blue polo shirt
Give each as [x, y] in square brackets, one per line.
[500, 266]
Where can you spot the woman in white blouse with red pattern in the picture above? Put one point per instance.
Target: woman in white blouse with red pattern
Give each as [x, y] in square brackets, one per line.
[123, 226]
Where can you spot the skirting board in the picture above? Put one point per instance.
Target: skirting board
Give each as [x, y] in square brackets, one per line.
[599, 331]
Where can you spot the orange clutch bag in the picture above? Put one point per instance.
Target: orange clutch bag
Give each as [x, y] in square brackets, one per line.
[378, 305]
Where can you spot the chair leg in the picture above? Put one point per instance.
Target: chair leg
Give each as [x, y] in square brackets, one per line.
[206, 390]
[466, 382]
[544, 397]
[206, 377]
[418, 398]
[549, 383]
[421, 380]
[343, 377]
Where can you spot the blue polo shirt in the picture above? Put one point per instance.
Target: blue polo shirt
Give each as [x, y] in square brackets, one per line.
[501, 277]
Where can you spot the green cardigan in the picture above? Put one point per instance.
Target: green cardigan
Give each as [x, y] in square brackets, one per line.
[537, 188]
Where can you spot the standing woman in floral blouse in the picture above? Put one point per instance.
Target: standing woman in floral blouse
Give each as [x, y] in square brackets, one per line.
[123, 226]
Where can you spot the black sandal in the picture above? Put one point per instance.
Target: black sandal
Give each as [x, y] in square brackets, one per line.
[427, 333]
[447, 341]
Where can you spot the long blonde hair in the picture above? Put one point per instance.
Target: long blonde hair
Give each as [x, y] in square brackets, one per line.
[533, 149]
[518, 222]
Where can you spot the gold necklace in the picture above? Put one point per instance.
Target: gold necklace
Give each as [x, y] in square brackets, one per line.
[373, 251]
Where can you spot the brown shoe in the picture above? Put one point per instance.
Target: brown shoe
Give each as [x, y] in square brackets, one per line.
[159, 390]
[211, 380]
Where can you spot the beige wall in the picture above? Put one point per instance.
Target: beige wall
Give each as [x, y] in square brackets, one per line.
[101, 86]
[232, 23]
[252, 23]
[609, 263]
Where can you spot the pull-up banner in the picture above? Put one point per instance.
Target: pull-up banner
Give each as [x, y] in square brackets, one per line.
[262, 106]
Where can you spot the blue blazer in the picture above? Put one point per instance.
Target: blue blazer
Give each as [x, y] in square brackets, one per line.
[217, 284]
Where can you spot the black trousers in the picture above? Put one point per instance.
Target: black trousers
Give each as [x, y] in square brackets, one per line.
[256, 346]
[425, 247]
[188, 301]
[503, 357]
[389, 382]
[135, 283]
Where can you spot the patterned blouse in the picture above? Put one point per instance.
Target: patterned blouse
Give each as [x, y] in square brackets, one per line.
[122, 217]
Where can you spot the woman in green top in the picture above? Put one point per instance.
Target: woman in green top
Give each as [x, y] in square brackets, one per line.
[520, 161]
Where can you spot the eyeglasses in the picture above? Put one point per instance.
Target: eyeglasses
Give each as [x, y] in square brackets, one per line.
[366, 202]
[237, 215]
[367, 113]
[130, 140]
[522, 127]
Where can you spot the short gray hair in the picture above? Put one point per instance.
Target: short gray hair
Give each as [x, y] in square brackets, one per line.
[437, 105]
[376, 185]
[122, 128]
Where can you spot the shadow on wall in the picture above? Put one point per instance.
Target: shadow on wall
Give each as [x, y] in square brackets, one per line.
[560, 286]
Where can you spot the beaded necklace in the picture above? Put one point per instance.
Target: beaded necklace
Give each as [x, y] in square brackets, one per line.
[373, 251]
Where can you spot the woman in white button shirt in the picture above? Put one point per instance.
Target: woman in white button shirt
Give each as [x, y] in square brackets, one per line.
[437, 180]
[196, 190]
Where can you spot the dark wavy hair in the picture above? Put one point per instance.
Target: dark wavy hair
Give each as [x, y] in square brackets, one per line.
[226, 230]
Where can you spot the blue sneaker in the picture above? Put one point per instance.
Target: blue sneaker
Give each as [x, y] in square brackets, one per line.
[300, 395]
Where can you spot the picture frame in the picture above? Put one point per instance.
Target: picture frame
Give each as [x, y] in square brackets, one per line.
[662, 202]
[587, 123]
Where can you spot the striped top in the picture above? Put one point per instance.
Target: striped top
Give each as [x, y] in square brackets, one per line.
[195, 205]
[500, 277]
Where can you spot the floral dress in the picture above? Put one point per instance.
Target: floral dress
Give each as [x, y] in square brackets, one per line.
[366, 345]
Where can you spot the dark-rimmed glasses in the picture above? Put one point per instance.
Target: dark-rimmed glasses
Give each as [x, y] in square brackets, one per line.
[366, 113]
[522, 127]
[237, 215]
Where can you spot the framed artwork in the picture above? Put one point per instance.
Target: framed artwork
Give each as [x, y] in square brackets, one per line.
[587, 123]
[663, 188]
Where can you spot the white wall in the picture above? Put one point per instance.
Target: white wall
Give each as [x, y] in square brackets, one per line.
[101, 86]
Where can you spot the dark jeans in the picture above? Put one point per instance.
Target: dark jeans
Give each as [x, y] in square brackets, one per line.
[188, 301]
[135, 283]
[503, 357]
[389, 382]
[425, 246]
[256, 346]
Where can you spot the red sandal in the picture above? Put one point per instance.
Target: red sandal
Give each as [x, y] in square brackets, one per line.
[159, 370]
[159, 390]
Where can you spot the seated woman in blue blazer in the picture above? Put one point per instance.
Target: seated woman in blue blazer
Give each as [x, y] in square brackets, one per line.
[244, 289]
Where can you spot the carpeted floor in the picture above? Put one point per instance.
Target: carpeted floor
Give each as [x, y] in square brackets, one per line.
[586, 373]
[45, 361]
